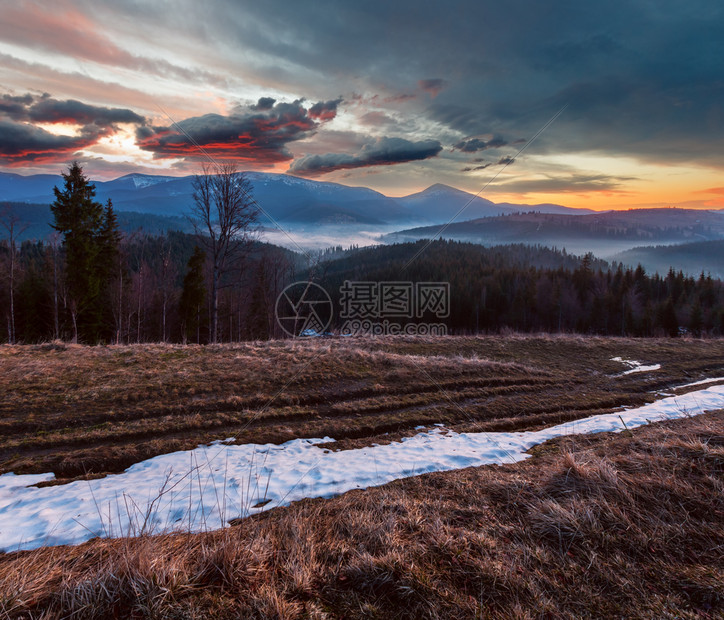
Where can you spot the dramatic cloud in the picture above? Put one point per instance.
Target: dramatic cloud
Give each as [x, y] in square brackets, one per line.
[257, 134]
[382, 152]
[21, 141]
[473, 145]
[15, 106]
[264, 103]
[74, 112]
[325, 110]
[45, 109]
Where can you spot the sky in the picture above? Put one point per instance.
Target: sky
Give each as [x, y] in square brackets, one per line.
[600, 105]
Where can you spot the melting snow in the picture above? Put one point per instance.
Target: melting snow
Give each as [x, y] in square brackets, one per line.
[635, 366]
[203, 489]
[702, 382]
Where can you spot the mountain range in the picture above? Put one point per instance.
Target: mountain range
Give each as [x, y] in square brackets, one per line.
[284, 199]
[320, 214]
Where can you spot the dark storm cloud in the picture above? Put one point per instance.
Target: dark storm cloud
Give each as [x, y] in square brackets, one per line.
[265, 103]
[256, 134]
[640, 78]
[382, 152]
[325, 110]
[472, 145]
[45, 109]
[22, 143]
[75, 112]
[15, 106]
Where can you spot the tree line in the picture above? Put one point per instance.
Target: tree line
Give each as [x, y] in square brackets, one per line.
[537, 289]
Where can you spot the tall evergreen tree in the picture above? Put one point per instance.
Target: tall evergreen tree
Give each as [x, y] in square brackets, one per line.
[109, 270]
[79, 218]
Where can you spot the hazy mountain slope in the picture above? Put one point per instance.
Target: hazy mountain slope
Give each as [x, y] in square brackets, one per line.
[25, 188]
[35, 219]
[604, 234]
[692, 258]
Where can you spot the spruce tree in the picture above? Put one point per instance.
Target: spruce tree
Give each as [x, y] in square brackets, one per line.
[109, 270]
[78, 217]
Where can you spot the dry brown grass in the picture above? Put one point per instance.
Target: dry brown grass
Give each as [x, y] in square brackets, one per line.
[79, 411]
[626, 525]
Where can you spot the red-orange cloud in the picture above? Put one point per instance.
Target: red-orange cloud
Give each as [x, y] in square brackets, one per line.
[23, 143]
[254, 134]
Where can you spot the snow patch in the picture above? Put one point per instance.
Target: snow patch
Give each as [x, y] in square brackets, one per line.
[146, 180]
[635, 366]
[205, 488]
[702, 382]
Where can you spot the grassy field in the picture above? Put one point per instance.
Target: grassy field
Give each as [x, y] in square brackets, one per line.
[609, 525]
[86, 411]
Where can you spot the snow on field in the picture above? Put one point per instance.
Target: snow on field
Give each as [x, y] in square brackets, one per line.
[702, 382]
[203, 489]
[635, 366]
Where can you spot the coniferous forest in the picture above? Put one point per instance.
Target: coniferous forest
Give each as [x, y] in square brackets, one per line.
[91, 283]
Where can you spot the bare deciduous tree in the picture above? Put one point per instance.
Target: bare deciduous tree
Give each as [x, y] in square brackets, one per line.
[54, 245]
[224, 215]
[12, 224]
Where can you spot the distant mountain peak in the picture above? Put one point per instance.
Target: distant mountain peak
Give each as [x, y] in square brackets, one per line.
[439, 187]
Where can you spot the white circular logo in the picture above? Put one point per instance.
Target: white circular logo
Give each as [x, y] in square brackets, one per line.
[304, 309]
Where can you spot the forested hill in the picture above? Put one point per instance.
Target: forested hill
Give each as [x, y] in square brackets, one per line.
[437, 258]
[692, 258]
[602, 233]
[538, 289]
